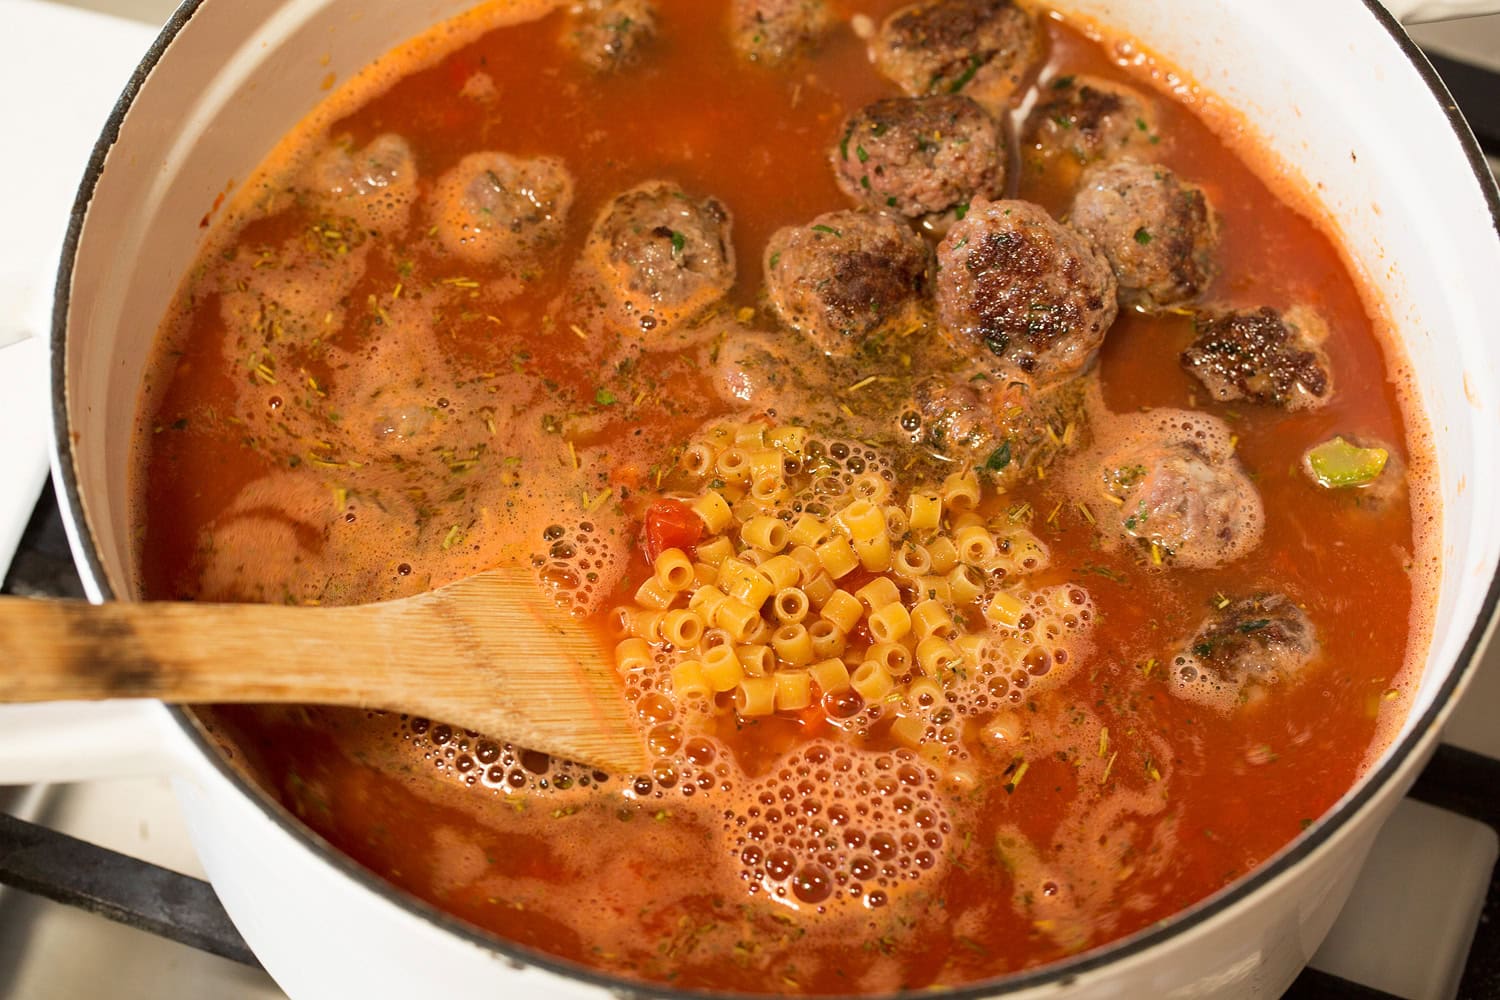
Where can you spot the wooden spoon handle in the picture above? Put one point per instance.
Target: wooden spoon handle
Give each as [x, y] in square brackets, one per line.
[63, 650]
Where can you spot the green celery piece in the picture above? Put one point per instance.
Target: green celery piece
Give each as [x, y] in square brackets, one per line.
[1337, 463]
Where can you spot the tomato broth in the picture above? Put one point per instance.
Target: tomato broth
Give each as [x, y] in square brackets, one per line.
[1105, 803]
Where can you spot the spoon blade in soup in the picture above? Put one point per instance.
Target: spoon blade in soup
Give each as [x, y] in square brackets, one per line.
[490, 653]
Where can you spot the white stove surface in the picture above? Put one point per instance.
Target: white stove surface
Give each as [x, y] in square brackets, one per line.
[1405, 930]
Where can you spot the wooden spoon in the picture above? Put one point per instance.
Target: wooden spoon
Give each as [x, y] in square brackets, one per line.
[490, 653]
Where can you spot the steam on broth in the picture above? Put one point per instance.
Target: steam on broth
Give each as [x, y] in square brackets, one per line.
[992, 485]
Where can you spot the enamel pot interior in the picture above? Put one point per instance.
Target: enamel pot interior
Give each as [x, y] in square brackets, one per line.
[1319, 86]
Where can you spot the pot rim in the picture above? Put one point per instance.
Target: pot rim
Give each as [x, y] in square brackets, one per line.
[1056, 974]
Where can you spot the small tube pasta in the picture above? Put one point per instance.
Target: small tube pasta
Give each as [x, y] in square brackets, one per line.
[934, 588]
[651, 594]
[863, 520]
[688, 680]
[733, 463]
[960, 491]
[871, 681]
[722, 669]
[683, 629]
[781, 571]
[909, 731]
[932, 618]
[892, 657]
[936, 655]
[793, 644]
[735, 618]
[809, 530]
[760, 631]
[764, 532]
[633, 654]
[940, 550]
[878, 593]
[641, 622]
[758, 660]
[923, 692]
[714, 552]
[911, 561]
[807, 562]
[697, 459]
[705, 600]
[976, 546]
[791, 605]
[819, 589]
[837, 556]
[830, 675]
[890, 623]
[755, 696]
[1005, 609]
[673, 569]
[705, 574]
[793, 690]
[874, 553]
[924, 512]
[827, 639]
[843, 609]
[713, 510]
[964, 584]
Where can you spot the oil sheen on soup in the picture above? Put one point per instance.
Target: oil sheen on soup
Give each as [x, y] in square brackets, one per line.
[987, 480]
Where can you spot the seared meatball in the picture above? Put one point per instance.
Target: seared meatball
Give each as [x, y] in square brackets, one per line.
[1179, 494]
[1263, 639]
[663, 255]
[1024, 288]
[920, 155]
[374, 186]
[1086, 119]
[494, 207]
[981, 48]
[1158, 233]
[846, 275]
[1261, 356]
[773, 31]
[608, 34]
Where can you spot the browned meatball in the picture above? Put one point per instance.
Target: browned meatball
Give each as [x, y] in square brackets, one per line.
[920, 155]
[1086, 119]
[608, 34]
[1159, 233]
[981, 48]
[1179, 494]
[1262, 356]
[663, 255]
[846, 275]
[495, 207]
[774, 31]
[1025, 288]
[1264, 639]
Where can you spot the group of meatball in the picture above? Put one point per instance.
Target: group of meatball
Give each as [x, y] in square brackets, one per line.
[1022, 296]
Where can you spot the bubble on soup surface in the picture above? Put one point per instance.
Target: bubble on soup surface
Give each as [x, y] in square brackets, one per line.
[846, 828]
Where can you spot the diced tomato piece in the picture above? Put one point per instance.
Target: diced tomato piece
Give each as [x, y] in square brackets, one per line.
[670, 524]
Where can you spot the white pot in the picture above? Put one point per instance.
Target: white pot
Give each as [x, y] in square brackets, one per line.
[1338, 92]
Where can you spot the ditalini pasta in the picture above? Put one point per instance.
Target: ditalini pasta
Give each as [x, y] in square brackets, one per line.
[832, 586]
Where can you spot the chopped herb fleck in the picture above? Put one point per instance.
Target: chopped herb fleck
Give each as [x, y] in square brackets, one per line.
[1143, 236]
[999, 458]
[604, 397]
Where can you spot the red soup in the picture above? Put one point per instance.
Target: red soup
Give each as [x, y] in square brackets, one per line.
[991, 487]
